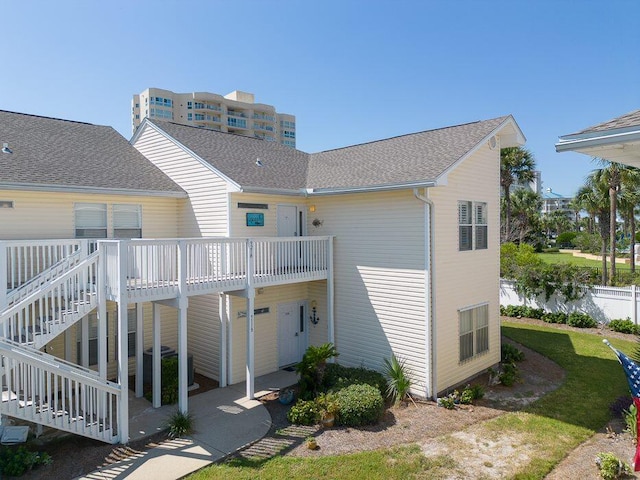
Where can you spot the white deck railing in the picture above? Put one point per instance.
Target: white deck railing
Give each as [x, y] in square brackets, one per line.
[53, 306]
[157, 267]
[43, 389]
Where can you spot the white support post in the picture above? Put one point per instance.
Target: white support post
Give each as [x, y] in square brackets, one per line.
[123, 342]
[157, 387]
[84, 341]
[183, 381]
[102, 315]
[139, 349]
[331, 336]
[250, 371]
[4, 280]
[634, 305]
[222, 313]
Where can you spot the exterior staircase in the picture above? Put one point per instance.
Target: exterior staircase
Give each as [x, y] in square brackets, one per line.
[38, 387]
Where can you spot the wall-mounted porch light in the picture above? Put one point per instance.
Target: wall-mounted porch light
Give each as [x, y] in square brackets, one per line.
[314, 317]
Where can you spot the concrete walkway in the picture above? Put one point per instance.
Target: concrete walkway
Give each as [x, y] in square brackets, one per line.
[224, 421]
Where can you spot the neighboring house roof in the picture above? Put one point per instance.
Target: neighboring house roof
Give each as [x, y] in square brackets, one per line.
[408, 160]
[551, 195]
[616, 140]
[63, 155]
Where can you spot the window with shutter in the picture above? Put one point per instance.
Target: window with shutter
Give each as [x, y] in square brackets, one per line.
[465, 226]
[472, 225]
[481, 225]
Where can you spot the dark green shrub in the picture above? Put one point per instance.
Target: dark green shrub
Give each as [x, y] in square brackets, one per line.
[180, 424]
[304, 412]
[449, 401]
[511, 354]
[624, 326]
[337, 377]
[551, 250]
[565, 239]
[522, 311]
[16, 461]
[581, 320]
[555, 317]
[312, 369]
[359, 404]
[509, 374]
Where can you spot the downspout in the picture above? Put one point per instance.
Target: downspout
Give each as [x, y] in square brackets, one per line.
[430, 298]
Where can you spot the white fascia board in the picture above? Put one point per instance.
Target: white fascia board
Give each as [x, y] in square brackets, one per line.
[43, 187]
[370, 188]
[190, 152]
[572, 143]
[516, 138]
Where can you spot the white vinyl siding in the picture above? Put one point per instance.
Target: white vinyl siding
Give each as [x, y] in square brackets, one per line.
[474, 331]
[465, 278]
[205, 213]
[43, 215]
[379, 262]
[204, 334]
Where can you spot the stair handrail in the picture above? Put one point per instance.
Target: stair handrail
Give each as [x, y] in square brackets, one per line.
[72, 370]
[67, 262]
[48, 287]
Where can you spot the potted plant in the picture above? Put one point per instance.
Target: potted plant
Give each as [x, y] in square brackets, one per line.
[312, 443]
[286, 396]
[328, 409]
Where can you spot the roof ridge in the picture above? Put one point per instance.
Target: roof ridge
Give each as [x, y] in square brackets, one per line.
[408, 135]
[50, 118]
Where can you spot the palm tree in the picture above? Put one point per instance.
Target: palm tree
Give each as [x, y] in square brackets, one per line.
[526, 213]
[628, 203]
[576, 208]
[594, 197]
[516, 165]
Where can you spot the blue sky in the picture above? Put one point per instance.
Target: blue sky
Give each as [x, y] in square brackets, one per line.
[351, 71]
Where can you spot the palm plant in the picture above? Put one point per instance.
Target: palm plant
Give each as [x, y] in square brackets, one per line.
[398, 379]
[526, 214]
[594, 196]
[516, 165]
[628, 204]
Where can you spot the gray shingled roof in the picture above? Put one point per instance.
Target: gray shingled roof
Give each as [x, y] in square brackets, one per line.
[630, 119]
[63, 153]
[417, 157]
[235, 156]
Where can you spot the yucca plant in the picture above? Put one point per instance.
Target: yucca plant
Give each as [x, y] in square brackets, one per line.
[398, 379]
[180, 424]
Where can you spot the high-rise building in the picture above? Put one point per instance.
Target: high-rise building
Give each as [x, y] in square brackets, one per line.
[235, 112]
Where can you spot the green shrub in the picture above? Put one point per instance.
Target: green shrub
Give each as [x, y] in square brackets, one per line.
[304, 412]
[16, 461]
[581, 320]
[180, 424]
[566, 239]
[624, 326]
[511, 353]
[337, 377]
[555, 317]
[551, 250]
[611, 467]
[398, 379]
[509, 374]
[359, 404]
[448, 401]
[312, 368]
[631, 420]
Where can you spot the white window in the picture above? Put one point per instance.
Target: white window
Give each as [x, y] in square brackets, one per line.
[91, 220]
[472, 225]
[127, 221]
[474, 331]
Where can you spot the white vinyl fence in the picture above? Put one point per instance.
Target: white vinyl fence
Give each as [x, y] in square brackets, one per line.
[603, 304]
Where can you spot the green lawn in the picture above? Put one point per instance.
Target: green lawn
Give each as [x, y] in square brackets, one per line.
[553, 258]
[553, 426]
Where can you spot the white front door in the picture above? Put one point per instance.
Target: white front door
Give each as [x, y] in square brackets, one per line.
[288, 221]
[291, 333]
